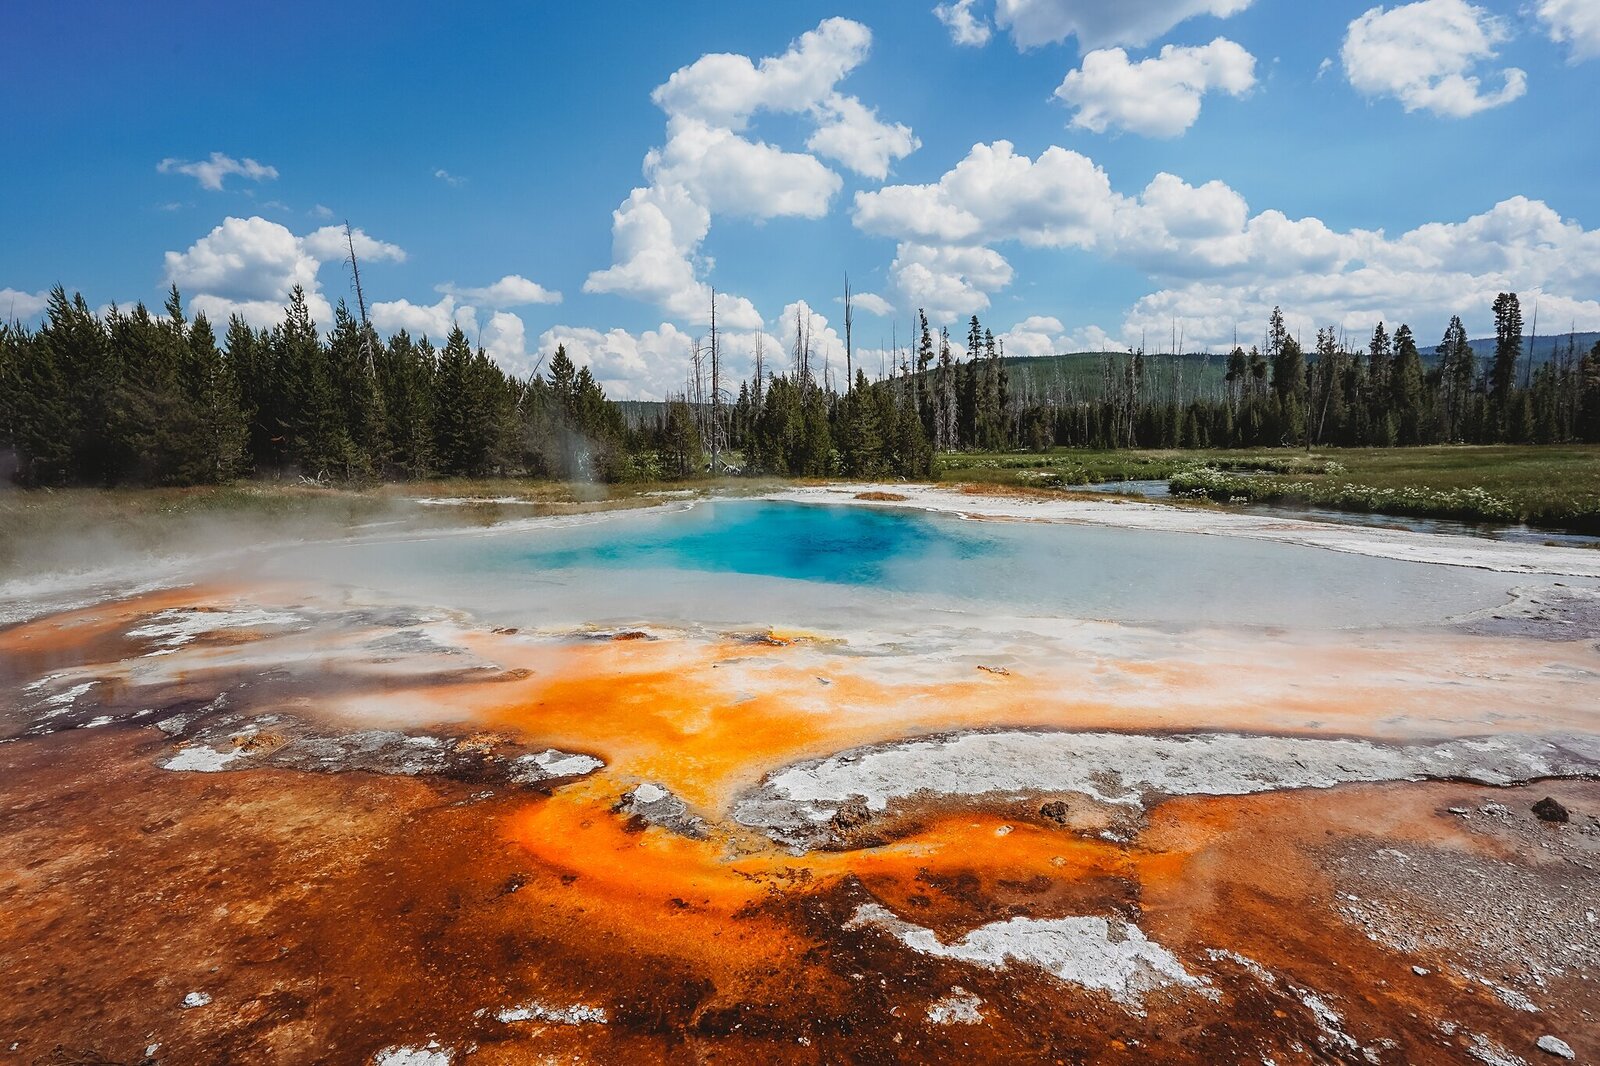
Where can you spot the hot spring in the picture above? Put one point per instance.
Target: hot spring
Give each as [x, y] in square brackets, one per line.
[734, 562]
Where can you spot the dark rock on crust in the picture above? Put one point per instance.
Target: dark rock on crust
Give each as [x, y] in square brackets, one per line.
[853, 814]
[1055, 811]
[650, 804]
[1548, 810]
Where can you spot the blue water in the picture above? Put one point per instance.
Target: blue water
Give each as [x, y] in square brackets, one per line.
[752, 561]
[842, 545]
[745, 562]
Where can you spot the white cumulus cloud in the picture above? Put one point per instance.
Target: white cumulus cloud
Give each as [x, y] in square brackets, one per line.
[1040, 335]
[330, 242]
[851, 133]
[504, 338]
[965, 27]
[1212, 262]
[995, 194]
[949, 282]
[247, 266]
[1100, 23]
[503, 335]
[708, 166]
[1427, 55]
[212, 172]
[733, 175]
[513, 290]
[1156, 97]
[872, 304]
[726, 90]
[649, 365]
[434, 321]
[1575, 23]
[18, 306]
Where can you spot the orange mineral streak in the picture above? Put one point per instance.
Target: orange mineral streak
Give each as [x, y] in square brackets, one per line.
[454, 908]
[662, 713]
[665, 894]
[70, 631]
[707, 721]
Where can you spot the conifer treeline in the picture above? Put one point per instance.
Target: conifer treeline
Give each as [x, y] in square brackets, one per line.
[1383, 395]
[138, 398]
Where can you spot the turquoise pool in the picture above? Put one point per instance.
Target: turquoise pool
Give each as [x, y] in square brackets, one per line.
[757, 562]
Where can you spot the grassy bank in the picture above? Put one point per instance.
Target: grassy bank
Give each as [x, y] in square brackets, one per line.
[1064, 468]
[1557, 487]
[1552, 487]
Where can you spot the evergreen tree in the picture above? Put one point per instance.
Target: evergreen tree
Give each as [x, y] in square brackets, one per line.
[1289, 382]
[1503, 371]
[1589, 395]
[250, 358]
[42, 402]
[946, 413]
[862, 438]
[405, 380]
[353, 376]
[1457, 371]
[455, 438]
[925, 383]
[77, 346]
[315, 436]
[683, 453]
[212, 390]
[1406, 387]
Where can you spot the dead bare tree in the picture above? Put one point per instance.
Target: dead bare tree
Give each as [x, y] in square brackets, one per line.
[361, 299]
[1533, 340]
[849, 345]
[716, 390]
[761, 370]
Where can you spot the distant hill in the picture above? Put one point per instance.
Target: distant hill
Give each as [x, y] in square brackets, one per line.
[638, 413]
[1081, 375]
[1541, 347]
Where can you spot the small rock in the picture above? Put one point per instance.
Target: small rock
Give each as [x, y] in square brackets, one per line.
[852, 814]
[1553, 1046]
[650, 804]
[1055, 811]
[1548, 810]
[1420, 971]
[196, 999]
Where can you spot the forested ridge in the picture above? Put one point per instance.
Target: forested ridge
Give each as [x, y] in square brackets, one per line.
[138, 397]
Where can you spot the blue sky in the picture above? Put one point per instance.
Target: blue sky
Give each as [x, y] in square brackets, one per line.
[474, 146]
